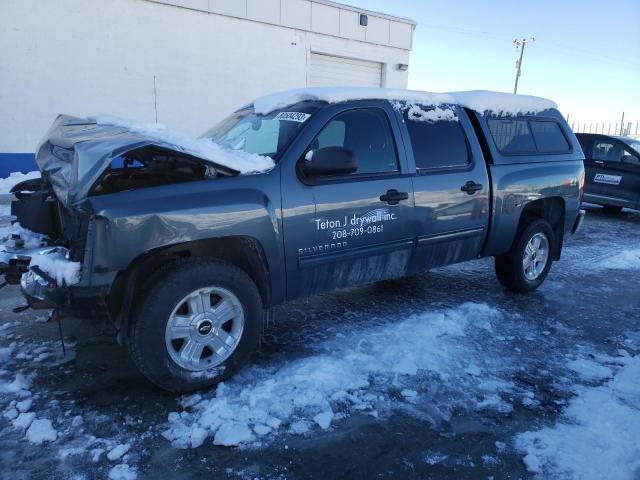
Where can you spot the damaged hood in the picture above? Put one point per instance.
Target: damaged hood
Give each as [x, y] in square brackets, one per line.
[75, 152]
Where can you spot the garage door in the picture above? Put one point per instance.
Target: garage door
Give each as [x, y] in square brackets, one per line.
[327, 71]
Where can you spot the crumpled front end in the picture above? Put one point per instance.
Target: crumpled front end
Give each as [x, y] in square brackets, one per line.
[44, 271]
[77, 153]
[43, 250]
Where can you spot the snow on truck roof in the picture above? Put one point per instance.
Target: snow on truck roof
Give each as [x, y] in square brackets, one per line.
[478, 100]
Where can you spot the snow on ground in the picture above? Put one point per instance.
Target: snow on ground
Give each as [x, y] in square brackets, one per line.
[597, 436]
[200, 147]
[478, 100]
[6, 184]
[624, 260]
[118, 451]
[371, 371]
[123, 472]
[41, 431]
[5, 211]
[42, 417]
[30, 239]
[447, 365]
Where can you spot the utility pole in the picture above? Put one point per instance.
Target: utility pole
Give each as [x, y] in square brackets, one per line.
[520, 44]
[622, 125]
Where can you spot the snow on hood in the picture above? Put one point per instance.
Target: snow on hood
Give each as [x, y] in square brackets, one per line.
[204, 148]
[478, 100]
[75, 152]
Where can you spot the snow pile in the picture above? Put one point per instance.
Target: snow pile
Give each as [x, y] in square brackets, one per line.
[56, 264]
[598, 436]
[355, 372]
[478, 100]
[589, 369]
[123, 472]
[20, 385]
[204, 148]
[118, 451]
[6, 184]
[624, 260]
[29, 239]
[41, 431]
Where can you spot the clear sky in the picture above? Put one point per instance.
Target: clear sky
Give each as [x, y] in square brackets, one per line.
[586, 56]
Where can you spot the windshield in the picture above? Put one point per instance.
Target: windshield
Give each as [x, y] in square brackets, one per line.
[265, 135]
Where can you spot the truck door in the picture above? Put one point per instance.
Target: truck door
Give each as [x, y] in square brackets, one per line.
[451, 185]
[586, 143]
[360, 229]
[616, 172]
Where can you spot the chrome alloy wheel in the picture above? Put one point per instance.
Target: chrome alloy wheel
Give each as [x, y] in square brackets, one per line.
[204, 328]
[536, 256]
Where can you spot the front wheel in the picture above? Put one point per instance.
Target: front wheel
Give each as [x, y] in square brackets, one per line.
[525, 267]
[198, 323]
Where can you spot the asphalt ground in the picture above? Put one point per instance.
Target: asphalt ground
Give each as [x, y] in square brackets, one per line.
[490, 365]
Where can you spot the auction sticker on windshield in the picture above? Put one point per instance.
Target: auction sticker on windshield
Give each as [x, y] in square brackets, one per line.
[299, 117]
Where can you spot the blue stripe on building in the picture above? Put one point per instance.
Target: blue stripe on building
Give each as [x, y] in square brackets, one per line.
[17, 162]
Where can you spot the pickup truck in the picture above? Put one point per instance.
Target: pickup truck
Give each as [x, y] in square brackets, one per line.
[185, 244]
[612, 167]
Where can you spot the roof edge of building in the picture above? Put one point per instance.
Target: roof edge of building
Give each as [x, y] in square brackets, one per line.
[367, 11]
[197, 5]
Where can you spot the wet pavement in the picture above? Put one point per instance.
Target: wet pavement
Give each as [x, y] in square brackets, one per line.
[498, 366]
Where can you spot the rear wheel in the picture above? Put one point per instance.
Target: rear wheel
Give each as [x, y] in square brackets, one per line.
[198, 323]
[612, 209]
[526, 266]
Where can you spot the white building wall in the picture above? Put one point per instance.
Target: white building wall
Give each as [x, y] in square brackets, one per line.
[140, 58]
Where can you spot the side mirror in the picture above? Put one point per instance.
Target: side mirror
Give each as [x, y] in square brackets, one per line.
[629, 159]
[329, 161]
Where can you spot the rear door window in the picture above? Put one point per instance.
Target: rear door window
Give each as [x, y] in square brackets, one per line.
[549, 137]
[436, 143]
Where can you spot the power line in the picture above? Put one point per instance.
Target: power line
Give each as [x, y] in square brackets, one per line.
[556, 47]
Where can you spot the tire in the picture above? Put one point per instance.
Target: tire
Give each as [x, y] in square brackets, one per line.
[510, 267]
[612, 209]
[173, 322]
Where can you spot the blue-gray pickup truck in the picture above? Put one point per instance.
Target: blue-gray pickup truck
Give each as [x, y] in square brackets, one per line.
[185, 244]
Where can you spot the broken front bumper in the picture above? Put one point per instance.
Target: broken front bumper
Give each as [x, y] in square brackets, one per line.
[41, 291]
[14, 261]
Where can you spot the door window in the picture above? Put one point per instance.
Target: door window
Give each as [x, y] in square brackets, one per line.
[607, 151]
[437, 144]
[367, 133]
[631, 157]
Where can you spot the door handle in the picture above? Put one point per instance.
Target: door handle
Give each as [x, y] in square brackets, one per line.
[471, 187]
[599, 162]
[393, 197]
